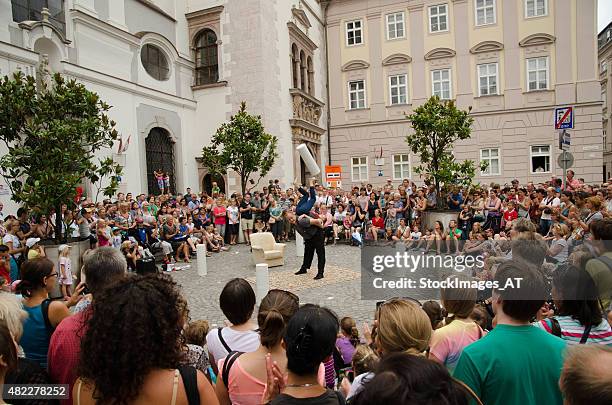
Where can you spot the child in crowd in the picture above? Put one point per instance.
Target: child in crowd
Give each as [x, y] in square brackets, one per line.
[435, 312]
[391, 220]
[347, 340]
[364, 363]
[102, 233]
[34, 248]
[416, 237]
[65, 271]
[346, 226]
[5, 263]
[510, 215]
[116, 238]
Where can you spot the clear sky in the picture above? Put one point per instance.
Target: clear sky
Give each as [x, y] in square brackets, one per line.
[604, 14]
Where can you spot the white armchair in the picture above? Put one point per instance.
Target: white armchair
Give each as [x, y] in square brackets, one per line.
[266, 250]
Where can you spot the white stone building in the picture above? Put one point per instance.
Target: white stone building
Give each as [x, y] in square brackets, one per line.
[175, 70]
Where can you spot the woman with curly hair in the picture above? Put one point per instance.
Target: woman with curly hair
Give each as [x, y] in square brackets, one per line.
[133, 348]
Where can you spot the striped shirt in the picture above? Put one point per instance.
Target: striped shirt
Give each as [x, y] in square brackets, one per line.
[572, 330]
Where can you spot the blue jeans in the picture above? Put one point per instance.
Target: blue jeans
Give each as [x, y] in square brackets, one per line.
[306, 202]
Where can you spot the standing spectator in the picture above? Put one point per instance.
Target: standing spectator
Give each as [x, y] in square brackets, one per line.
[309, 339]
[16, 249]
[65, 271]
[586, 375]
[233, 216]
[531, 358]
[548, 204]
[493, 207]
[276, 219]
[220, 215]
[237, 301]
[38, 278]
[600, 268]
[148, 370]
[243, 375]
[246, 217]
[455, 199]
[101, 268]
[572, 183]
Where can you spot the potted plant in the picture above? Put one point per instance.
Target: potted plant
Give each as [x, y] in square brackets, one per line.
[438, 125]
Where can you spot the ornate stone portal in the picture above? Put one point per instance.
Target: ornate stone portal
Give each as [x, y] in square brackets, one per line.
[305, 129]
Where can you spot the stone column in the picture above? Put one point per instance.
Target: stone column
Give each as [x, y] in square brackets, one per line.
[376, 92]
[564, 87]
[588, 88]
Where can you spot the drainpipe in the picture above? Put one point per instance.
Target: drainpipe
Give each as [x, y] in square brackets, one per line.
[326, 6]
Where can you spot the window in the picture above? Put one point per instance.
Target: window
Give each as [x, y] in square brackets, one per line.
[207, 62]
[485, 12]
[398, 89]
[395, 26]
[605, 140]
[357, 94]
[155, 62]
[354, 33]
[537, 73]
[603, 66]
[491, 156]
[536, 8]
[438, 18]
[441, 84]
[540, 159]
[401, 167]
[30, 10]
[604, 96]
[487, 79]
[359, 168]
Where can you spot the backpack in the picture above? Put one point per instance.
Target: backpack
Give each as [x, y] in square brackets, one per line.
[227, 365]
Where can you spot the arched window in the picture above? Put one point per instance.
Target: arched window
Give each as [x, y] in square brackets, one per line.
[30, 10]
[207, 62]
[155, 62]
[303, 69]
[295, 65]
[310, 76]
[159, 149]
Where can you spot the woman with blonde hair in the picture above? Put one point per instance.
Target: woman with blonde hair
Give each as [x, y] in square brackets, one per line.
[559, 248]
[460, 330]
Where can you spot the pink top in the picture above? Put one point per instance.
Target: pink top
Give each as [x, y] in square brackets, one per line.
[244, 389]
[219, 212]
[448, 342]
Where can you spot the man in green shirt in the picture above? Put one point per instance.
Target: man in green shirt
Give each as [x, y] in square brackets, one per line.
[516, 363]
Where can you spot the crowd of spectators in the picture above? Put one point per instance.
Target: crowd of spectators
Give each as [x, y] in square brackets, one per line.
[129, 337]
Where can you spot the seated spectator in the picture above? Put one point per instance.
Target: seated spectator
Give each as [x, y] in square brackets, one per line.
[8, 352]
[196, 350]
[559, 249]
[435, 313]
[460, 330]
[237, 301]
[101, 267]
[586, 375]
[531, 358]
[243, 375]
[347, 341]
[144, 365]
[578, 317]
[309, 340]
[600, 267]
[38, 279]
[405, 379]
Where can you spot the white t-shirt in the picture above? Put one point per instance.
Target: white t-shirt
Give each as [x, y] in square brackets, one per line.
[358, 383]
[242, 341]
[550, 202]
[16, 243]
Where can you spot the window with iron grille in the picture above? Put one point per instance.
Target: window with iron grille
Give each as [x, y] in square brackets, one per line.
[30, 10]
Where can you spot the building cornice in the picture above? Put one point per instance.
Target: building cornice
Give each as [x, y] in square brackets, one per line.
[487, 46]
[355, 65]
[30, 25]
[307, 96]
[205, 12]
[299, 34]
[396, 59]
[440, 53]
[152, 6]
[537, 39]
[301, 16]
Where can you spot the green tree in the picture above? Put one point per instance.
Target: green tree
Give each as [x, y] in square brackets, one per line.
[242, 145]
[438, 125]
[53, 131]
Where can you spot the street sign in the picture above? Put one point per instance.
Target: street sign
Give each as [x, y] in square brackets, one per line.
[564, 140]
[333, 176]
[564, 118]
[565, 160]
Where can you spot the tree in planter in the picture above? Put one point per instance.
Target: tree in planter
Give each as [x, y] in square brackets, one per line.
[243, 146]
[52, 131]
[438, 125]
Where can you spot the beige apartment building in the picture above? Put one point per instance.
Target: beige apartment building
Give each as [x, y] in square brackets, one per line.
[604, 42]
[512, 61]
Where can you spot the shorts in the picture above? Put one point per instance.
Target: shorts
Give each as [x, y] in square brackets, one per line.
[160, 183]
[246, 224]
[66, 281]
[233, 229]
[167, 183]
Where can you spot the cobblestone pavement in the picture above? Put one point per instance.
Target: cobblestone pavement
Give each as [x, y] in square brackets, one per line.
[339, 290]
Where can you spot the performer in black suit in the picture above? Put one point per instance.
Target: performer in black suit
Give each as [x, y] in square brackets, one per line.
[314, 240]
